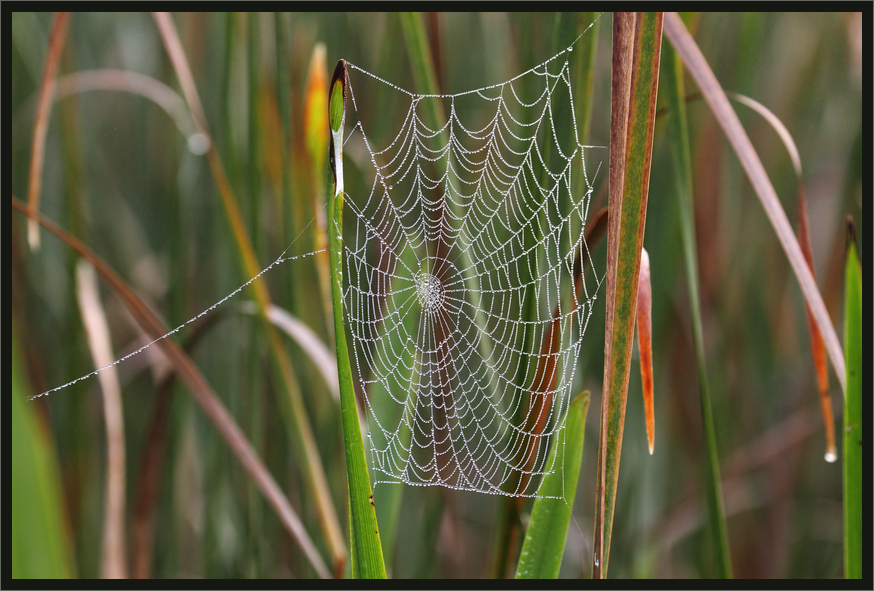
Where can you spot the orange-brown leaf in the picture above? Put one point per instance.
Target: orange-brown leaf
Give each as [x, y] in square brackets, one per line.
[817, 345]
[644, 343]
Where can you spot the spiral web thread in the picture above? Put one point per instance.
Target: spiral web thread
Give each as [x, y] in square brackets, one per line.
[466, 230]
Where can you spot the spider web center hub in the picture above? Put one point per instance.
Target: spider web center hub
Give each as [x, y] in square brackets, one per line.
[429, 291]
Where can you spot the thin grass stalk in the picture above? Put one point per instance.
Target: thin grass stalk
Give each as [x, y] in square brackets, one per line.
[365, 545]
[41, 122]
[589, 24]
[151, 461]
[283, 92]
[853, 417]
[678, 136]
[302, 433]
[149, 481]
[715, 96]
[113, 564]
[199, 387]
[424, 74]
[309, 342]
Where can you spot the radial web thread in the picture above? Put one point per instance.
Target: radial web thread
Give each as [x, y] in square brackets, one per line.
[461, 300]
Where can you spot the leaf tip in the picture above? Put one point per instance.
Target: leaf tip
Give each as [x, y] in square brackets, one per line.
[338, 96]
[33, 235]
[851, 235]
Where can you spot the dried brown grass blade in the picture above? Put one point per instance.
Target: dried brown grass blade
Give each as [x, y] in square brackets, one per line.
[41, 123]
[113, 563]
[699, 69]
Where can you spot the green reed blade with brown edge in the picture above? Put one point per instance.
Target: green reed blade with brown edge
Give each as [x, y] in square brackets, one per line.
[853, 419]
[365, 547]
[678, 137]
[637, 48]
[545, 537]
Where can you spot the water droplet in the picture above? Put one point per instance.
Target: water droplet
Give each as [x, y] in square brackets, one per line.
[831, 456]
[198, 143]
[571, 48]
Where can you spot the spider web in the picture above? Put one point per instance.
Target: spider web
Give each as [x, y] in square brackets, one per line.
[465, 299]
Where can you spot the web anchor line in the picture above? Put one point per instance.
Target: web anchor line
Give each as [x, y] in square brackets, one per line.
[460, 298]
[281, 259]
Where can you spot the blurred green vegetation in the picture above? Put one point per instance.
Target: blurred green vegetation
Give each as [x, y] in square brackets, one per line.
[119, 175]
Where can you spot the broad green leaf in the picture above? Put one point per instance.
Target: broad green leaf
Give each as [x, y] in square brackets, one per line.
[547, 530]
[39, 546]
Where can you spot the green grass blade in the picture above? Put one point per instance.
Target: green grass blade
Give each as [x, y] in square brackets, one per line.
[853, 411]
[625, 240]
[388, 497]
[39, 545]
[423, 65]
[547, 530]
[678, 136]
[590, 22]
[366, 548]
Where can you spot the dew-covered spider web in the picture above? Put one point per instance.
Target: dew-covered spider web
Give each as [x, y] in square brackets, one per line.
[463, 293]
